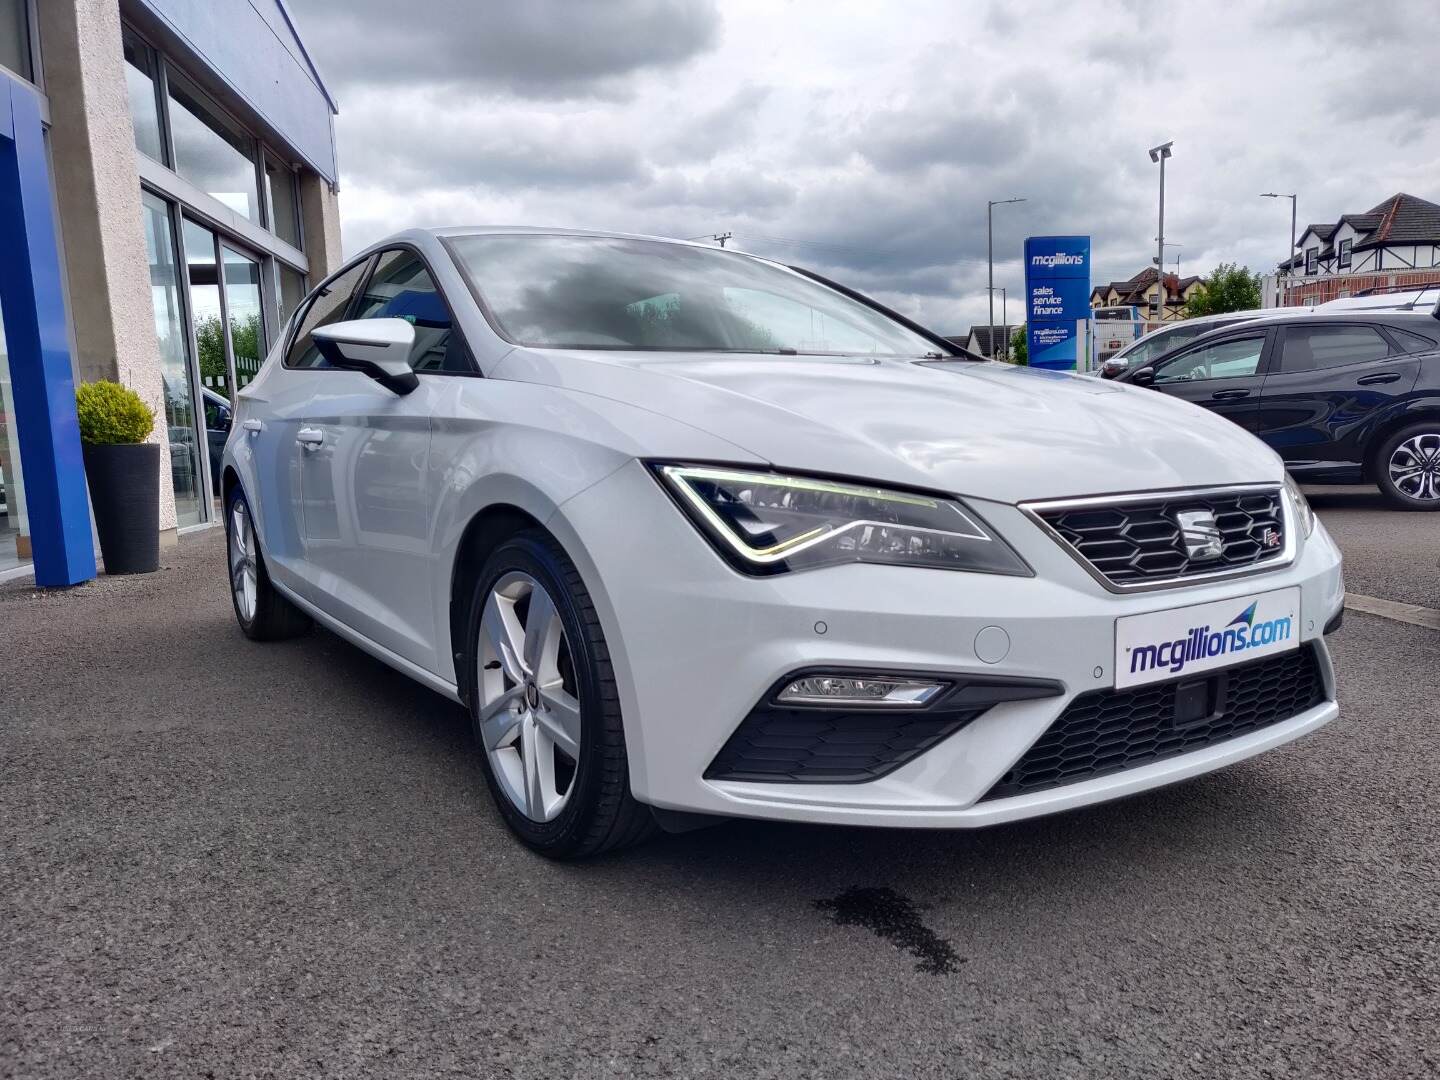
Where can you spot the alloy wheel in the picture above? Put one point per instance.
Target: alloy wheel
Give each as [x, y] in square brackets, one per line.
[1415, 467]
[243, 579]
[529, 701]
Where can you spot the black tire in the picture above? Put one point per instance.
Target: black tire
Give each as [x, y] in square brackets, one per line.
[1428, 429]
[274, 617]
[600, 813]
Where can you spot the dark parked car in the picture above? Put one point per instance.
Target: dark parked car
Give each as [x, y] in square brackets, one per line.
[1343, 398]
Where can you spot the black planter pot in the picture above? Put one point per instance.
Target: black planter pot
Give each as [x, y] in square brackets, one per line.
[124, 484]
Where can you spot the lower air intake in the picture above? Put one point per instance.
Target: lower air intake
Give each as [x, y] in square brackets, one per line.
[1108, 731]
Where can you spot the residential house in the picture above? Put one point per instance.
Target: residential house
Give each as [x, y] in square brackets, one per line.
[1139, 292]
[978, 339]
[1393, 245]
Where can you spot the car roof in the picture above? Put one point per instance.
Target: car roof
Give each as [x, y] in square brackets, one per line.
[543, 230]
[1420, 321]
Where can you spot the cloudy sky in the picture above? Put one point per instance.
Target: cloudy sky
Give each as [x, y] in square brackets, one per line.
[863, 139]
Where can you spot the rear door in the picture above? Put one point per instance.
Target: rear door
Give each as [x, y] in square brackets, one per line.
[1327, 385]
[1224, 376]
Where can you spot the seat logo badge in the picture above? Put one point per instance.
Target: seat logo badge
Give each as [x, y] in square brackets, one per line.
[1200, 534]
[1271, 538]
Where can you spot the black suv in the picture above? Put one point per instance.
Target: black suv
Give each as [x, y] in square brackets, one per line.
[1342, 398]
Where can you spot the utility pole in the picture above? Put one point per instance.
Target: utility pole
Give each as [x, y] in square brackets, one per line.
[990, 260]
[720, 238]
[1159, 154]
[1004, 325]
[1290, 258]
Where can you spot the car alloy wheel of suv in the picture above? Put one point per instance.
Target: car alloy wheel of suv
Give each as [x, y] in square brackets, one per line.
[1409, 467]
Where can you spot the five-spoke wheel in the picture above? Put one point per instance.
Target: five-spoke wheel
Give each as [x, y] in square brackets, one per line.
[529, 705]
[544, 703]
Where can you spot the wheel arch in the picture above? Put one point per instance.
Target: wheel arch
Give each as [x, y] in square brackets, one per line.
[1416, 412]
[486, 530]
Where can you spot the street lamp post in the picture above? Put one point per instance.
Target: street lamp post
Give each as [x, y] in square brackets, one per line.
[990, 260]
[1290, 257]
[1159, 154]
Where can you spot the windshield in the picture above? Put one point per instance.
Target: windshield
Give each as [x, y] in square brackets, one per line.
[1162, 341]
[596, 292]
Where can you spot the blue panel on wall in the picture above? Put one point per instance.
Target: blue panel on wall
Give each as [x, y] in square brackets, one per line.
[263, 63]
[41, 378]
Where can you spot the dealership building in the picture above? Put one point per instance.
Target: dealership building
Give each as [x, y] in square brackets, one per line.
[168, 188]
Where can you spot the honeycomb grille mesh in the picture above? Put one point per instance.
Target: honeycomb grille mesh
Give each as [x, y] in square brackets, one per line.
[793, 744]
[1131, 543]
[1107, 731]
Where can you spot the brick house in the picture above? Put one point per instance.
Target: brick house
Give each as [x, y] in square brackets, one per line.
[1392, 245]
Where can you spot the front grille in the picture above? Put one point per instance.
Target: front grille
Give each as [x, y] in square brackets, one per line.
[822, 745]
[1132, 543]
[1107, 731]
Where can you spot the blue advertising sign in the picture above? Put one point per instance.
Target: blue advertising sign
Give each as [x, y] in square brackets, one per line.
[1057, 298]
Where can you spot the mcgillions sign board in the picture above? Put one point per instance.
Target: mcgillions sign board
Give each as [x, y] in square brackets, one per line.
[1163, 644]
[1057, 297]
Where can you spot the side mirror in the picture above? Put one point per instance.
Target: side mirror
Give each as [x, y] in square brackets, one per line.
[380, 348]
[1144, 377]
[222, 418]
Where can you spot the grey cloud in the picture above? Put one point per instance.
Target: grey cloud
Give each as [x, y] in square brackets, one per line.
[532, 48]
[867, 146]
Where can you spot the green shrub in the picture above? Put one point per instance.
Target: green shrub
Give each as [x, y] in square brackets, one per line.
[111, 413]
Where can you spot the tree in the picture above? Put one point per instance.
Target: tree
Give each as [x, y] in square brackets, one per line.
[1228, 288]
[210, 339]
[1019, 351]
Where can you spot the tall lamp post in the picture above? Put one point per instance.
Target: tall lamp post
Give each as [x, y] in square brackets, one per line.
[1290, 257]
[1158, 154]
[990, 260]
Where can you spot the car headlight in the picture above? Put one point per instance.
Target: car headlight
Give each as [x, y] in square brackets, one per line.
[1304, 516]
[767, 523]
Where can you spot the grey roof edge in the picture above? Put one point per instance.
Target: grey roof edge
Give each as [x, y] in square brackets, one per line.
[309, 60]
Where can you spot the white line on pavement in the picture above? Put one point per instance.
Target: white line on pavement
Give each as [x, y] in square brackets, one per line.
[1414, 614]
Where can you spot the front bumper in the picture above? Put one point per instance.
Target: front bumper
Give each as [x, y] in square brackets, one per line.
[695, 645]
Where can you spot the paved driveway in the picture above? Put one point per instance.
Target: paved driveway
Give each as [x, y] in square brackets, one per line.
[223, 859]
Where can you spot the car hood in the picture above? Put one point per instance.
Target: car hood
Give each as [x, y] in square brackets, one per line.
[993, 431]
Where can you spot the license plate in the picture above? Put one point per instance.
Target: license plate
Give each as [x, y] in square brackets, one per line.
[1184, 641]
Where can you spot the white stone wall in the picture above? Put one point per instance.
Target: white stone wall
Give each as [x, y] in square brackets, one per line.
[97, 189]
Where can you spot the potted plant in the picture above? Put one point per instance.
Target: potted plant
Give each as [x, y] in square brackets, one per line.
[123, 472]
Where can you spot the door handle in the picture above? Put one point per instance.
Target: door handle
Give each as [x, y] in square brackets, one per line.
[1378, 378]
[1229, 395]
[310, 438]
[253, 425]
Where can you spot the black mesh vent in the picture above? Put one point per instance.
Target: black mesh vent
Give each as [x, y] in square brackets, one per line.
[1133, 542]
[839, 746]
[1107, 731]
[836, 748]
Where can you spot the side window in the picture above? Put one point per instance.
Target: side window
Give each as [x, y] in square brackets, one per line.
[1233, 359]
[401, 288]
[1411, 343]
[1313, 348]
[328, 305]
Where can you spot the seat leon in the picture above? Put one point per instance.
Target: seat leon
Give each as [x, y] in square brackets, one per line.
[695, 535]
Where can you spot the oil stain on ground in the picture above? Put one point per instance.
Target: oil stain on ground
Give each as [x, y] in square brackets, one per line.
[894, 918]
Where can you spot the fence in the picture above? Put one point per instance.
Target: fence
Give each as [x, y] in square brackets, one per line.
[246, 368]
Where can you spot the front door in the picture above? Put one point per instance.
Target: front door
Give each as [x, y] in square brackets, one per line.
[1223, 376]
[367, 470]
[364, 464]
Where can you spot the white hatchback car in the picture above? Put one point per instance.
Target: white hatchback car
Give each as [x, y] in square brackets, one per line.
[693, 534]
